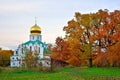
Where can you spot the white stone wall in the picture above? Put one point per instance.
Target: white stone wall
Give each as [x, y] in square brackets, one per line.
[34, 37]
[15, 61]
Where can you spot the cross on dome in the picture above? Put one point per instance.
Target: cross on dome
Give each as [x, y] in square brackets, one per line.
[35, 20]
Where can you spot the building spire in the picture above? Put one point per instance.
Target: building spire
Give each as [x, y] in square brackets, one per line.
[35, 20]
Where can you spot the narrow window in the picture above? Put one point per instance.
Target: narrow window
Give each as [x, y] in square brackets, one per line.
[16, 52]
[39, 49]
[30, 48]
[37, 37]
[19, 62]
[33, 37]
[17, 58]
[22, 50]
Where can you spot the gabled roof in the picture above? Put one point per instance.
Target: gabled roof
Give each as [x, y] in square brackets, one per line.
[33, 42]
[36, 42]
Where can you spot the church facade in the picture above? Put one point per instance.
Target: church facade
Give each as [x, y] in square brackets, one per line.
[34, 45]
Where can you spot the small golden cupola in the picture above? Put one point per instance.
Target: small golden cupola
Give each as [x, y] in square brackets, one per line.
[35, 29]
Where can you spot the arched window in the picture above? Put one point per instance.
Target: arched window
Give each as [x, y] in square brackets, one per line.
[30, 48]
[16, 58]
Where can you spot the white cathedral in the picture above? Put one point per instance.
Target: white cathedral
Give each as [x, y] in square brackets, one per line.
[34, 44]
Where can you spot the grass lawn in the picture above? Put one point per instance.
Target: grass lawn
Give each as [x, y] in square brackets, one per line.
[74, 73]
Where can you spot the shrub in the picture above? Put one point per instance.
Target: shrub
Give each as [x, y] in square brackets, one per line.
[46, 69]
[0, 69]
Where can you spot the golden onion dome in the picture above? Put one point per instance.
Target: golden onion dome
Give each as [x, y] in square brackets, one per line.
[35, 29]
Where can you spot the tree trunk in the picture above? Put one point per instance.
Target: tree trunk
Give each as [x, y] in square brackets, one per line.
[90, 62]
[51, 66]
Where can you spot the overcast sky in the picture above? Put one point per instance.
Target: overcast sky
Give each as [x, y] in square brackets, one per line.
[17, 17]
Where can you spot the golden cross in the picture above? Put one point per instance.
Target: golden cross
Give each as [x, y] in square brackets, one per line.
[35, 20]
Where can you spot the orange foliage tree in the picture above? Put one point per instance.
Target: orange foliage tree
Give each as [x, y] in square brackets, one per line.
[106, 31]
[114, 54]
[92, 33]
[79, 31]
[5, 57]
[60, 51]
[73, 33]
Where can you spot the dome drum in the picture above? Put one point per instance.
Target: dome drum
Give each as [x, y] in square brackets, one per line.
[35, 32]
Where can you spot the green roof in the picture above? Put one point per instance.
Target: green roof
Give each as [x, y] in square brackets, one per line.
[36, 42]
[33, 42]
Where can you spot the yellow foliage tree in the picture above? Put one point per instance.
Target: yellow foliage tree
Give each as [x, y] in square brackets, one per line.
[5, 57]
